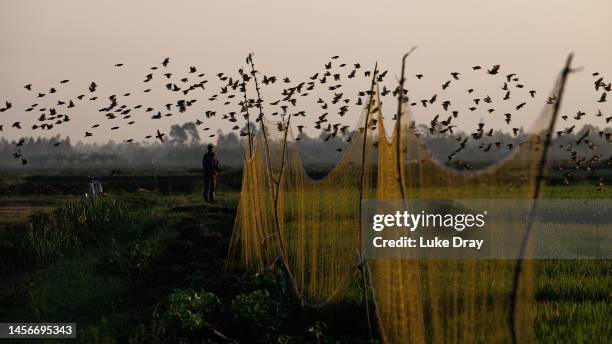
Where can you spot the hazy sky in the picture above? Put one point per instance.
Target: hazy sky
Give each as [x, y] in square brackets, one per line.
[42, 42]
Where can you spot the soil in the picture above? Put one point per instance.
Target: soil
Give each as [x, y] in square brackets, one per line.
[196, 256]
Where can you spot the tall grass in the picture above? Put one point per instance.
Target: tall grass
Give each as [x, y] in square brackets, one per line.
[69, 228]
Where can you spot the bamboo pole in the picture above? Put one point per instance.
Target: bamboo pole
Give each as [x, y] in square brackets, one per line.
[536, 194]
[261, 115]
[282, 167]
[362, 261]
[398, 125]
[245, 108]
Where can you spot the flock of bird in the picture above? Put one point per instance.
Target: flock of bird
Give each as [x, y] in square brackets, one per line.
[239, 90]
[602, 88]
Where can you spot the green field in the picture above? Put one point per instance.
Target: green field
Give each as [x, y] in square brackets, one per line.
[146, 266]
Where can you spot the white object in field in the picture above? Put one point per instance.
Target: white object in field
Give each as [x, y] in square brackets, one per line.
[94, 188]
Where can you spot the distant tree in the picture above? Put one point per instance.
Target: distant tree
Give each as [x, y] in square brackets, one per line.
[232, 140]
[192, 130]
[178, 134]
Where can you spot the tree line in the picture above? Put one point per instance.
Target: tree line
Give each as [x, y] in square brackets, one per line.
[184, 148]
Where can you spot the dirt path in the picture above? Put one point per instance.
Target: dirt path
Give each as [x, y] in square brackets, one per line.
[196, 256]
[15, 212]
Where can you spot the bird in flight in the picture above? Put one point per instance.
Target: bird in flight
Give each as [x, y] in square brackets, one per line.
[160, 136]
[602, 99]
[494, 70]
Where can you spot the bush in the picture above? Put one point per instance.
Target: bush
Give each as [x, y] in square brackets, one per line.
[190, 311]
[258, 312]
[318, 332]
[131, 260]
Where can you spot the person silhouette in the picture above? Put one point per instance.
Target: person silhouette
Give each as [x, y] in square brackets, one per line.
[210, 166]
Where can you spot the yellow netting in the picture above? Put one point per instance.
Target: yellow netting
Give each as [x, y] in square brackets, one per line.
[320, 218]
[317, 218]
[254, 243]
[315, 231]
[451, 301]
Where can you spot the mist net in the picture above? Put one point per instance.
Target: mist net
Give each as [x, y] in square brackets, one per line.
[451, 301]
[317, 220]
[311, 229]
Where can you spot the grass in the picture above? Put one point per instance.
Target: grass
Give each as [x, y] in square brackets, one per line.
[112, 266]
[81, 260]
[573, 300]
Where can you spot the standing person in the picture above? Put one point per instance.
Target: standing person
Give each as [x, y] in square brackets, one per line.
[210, 165]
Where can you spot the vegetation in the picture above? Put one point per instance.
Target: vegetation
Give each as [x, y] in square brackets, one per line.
[190, 311]
[185, 148]
[147, 267]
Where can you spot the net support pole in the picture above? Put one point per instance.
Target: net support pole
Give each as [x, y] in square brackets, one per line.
[398, 125]
[274, 182]
[271, 174]
[245, 108]
[536, 194]
[261, 115]
[362, 261]
[282, 166]
[294, 287]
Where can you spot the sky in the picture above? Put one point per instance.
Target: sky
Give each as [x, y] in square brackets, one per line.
[42, 42]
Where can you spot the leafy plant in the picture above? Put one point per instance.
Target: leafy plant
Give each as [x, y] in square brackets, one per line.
[133, 260]
[317, 332]
[189, 311]
[258, 311]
